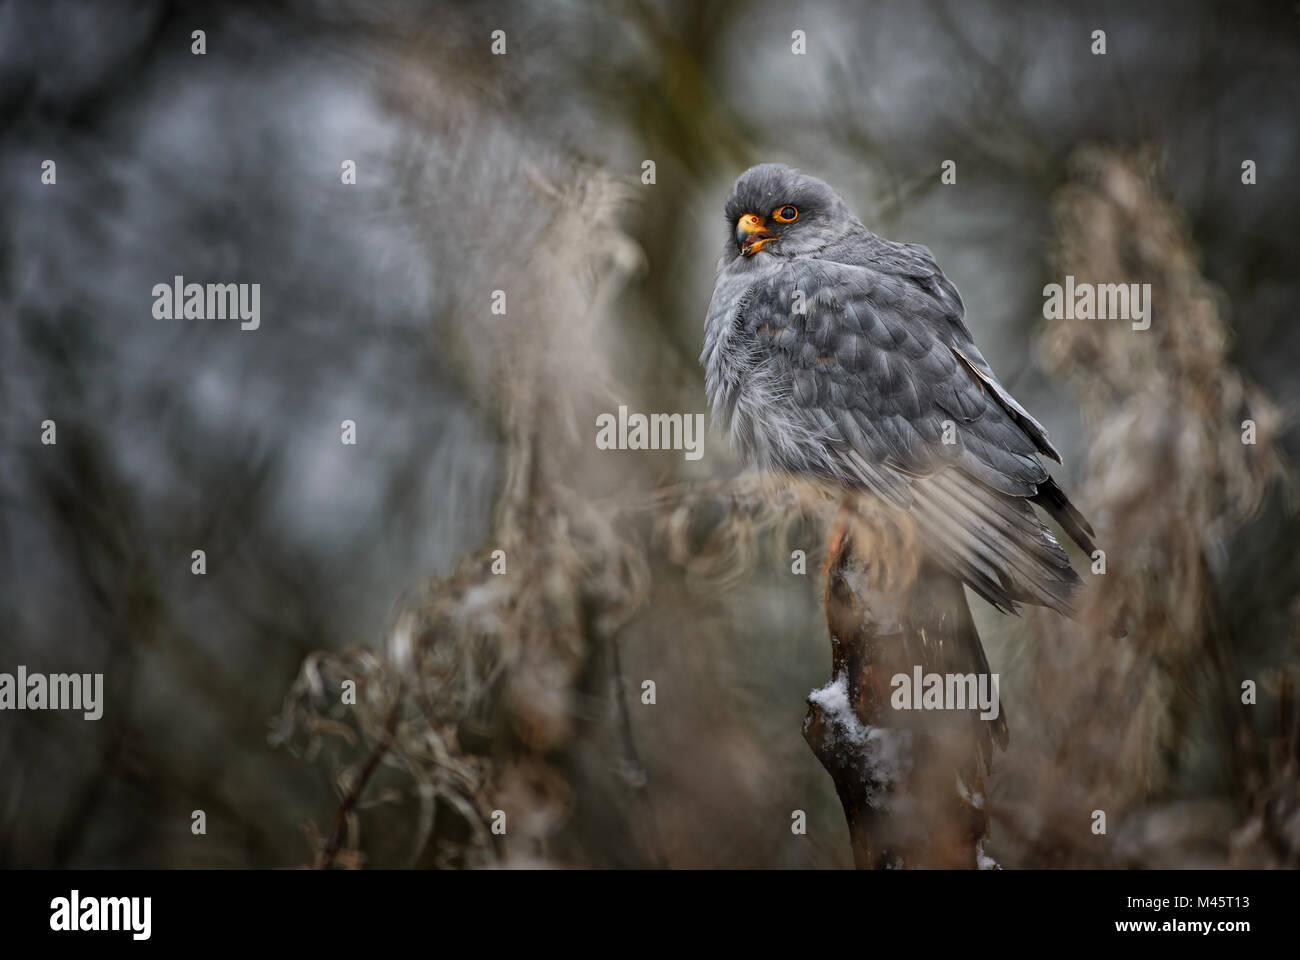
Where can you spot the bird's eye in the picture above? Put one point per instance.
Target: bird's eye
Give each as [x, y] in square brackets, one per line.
[785, 214]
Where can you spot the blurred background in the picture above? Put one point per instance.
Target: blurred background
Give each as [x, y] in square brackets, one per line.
[522, 691]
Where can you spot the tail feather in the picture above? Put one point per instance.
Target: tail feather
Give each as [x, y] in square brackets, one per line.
[994, 542]
[941, 637]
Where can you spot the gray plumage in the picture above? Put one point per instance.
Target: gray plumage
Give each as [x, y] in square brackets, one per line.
[856, 388]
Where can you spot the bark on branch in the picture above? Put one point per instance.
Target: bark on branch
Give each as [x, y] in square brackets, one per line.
[911, 784]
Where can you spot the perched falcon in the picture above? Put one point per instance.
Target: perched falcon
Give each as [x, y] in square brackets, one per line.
[834, 352]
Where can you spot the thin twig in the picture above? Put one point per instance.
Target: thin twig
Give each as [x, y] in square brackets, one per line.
[353, 796]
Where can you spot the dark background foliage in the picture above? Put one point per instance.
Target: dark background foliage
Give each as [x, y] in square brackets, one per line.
[174, 435]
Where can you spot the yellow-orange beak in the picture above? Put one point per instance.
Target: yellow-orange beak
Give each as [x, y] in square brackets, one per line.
[752, 234]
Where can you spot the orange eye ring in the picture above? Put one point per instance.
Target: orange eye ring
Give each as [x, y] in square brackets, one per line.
[786, 213]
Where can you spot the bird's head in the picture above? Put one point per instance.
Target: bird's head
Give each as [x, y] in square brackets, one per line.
[778, 210]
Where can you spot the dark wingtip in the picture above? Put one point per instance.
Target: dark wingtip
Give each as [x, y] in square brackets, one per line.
[1052, 498]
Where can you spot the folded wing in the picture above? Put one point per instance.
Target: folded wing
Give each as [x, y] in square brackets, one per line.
[883, 374]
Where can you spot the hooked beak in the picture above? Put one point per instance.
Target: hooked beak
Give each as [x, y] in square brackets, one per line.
[752, 234]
